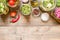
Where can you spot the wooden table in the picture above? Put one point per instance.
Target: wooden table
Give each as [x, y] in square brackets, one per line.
[29, 28]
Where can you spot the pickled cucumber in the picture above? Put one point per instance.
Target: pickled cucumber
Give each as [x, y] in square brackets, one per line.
[26, 9]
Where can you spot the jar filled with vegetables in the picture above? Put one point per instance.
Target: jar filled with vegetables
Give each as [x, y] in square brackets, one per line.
[3, 8]
[26, 9]
[56, 14]
[34, 3]
[47, 5]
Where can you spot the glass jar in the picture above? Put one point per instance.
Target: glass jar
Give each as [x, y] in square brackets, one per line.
[3, 8]
[34, 3]
[47, 5]
[13, 4]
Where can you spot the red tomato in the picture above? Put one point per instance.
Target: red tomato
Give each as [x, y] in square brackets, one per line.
[13, 14]
[11, 3]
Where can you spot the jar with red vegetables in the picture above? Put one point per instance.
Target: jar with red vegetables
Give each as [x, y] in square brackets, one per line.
[13, 3]
[36, 12]
[57, 12]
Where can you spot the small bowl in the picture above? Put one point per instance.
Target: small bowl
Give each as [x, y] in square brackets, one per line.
[35, 14]
[24, 13]
[16, 4]
[46, 9]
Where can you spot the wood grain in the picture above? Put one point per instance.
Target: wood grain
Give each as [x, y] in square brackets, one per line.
[30, 33]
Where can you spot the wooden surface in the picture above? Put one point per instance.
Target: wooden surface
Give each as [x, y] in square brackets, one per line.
[27, 21]
[30, 33]
[30, 28]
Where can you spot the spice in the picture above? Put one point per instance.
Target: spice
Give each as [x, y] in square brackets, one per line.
[36, 12]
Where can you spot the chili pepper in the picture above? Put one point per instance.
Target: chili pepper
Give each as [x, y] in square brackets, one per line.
[15, 19]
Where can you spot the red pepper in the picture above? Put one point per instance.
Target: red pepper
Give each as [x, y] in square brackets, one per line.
[16, 19]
